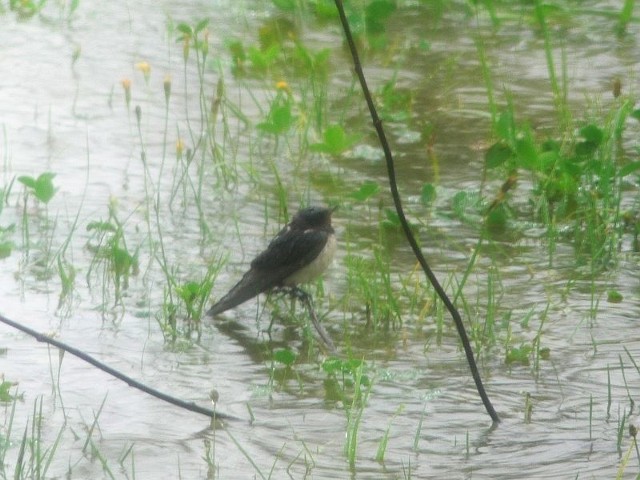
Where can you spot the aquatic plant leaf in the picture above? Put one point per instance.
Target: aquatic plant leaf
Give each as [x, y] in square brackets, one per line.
[286, 5]
[27, 181]
[427, 194]
[505, 127]
[279, 120]
[123, 261]
[277, 31]
[201, 25]
[519, 354]
[527, 153]
[188, 292]
[614, 296]
[366, 190]
[41, 187]
[593, 136]
[629, 168]
[393, 220]
[380, 9]
[332, 365]
[284, 356]
[282, 118]
[466, 205]
[547, 160]
[312, 62]
[376, 13]
[44, 189]
[261, 60]
[352, 365]
[325, 9]
[592, 133]
[496, 219]
[497, 155]
[5, 395]
[584, 149]
[102, 226]
[185, 29]
[236, 48]
[335, 141]
[5, 249]
[336, 138]
[356, 22]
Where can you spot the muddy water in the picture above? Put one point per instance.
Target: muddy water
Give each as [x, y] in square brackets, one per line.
[71, 118]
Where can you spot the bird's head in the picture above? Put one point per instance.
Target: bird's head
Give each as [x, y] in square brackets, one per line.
[312, 217]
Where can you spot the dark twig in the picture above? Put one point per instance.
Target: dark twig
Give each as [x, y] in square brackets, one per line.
[115, 373]
[377, 123]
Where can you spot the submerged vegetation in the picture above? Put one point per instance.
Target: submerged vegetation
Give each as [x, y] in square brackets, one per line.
[525, 192]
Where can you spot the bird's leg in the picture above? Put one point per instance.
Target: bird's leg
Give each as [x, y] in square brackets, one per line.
[270, 327]
[300, 294]
[307, 300]
[296, 293]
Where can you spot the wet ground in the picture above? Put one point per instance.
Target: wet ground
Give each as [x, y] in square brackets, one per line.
[71, 118]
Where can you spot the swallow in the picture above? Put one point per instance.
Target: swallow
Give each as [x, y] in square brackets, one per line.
[299, 253]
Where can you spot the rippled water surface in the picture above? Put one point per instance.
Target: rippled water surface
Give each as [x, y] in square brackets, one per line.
[70, 117]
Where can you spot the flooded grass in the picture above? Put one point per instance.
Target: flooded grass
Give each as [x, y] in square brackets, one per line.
[135, 203]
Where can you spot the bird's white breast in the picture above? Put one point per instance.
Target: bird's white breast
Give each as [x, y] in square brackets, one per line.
[316, 267]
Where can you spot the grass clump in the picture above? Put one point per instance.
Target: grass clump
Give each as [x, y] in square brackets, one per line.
[187, 301]
[578, 183]
[370, 286]
[113, 261]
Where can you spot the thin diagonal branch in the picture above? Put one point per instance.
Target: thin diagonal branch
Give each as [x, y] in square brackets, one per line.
[391, 172]
[115, 373]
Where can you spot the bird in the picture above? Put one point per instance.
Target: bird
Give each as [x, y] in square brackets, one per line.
[299, 253]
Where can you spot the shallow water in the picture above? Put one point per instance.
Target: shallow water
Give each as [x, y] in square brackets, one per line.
[71, 118]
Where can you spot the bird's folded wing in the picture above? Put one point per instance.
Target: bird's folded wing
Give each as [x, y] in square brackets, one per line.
[289, 251]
